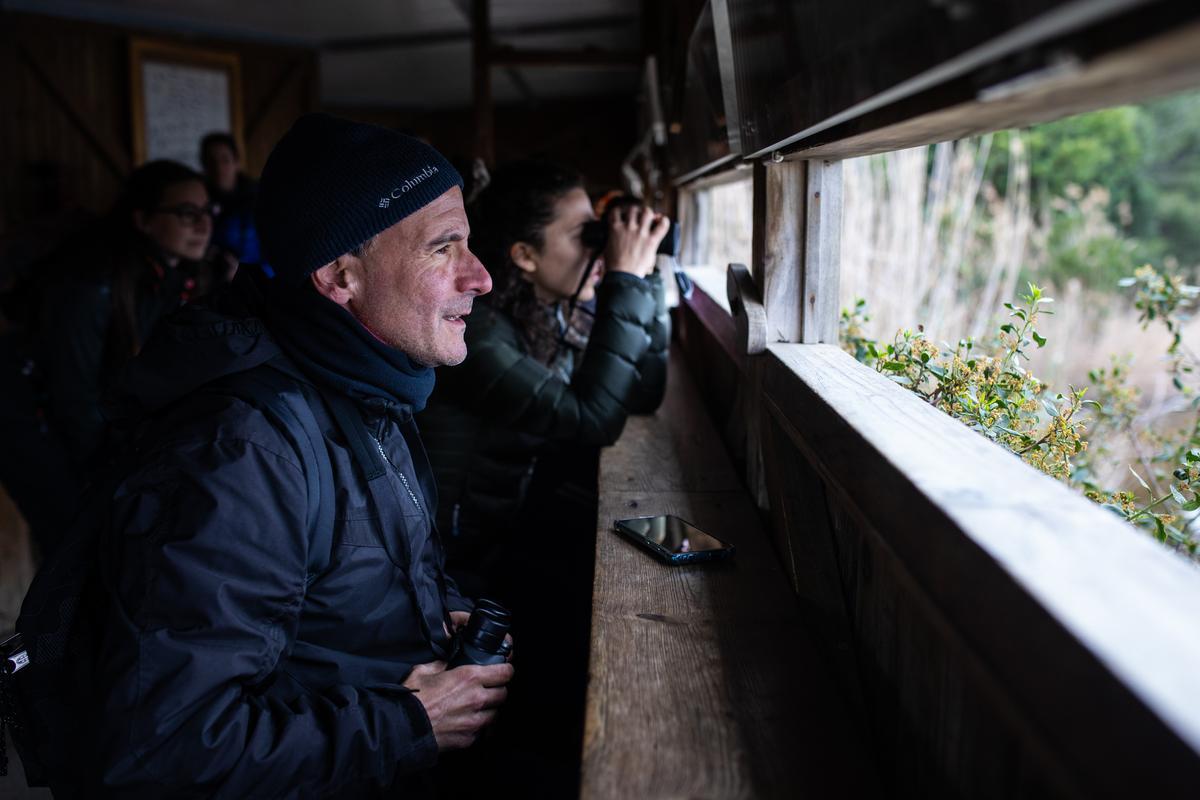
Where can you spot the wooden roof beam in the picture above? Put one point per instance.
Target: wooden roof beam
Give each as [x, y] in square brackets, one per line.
[358, 43]
[600, 59]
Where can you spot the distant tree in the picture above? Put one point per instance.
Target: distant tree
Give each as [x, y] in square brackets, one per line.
[1146, 162]
[1172, 169]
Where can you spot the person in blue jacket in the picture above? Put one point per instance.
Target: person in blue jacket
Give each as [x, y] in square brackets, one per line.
[226, 668]
[233, 193]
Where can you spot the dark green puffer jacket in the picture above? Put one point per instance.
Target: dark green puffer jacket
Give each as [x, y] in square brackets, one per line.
[490, 417]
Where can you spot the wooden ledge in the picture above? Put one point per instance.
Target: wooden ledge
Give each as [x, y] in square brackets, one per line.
[1088, 626]
[704, 680]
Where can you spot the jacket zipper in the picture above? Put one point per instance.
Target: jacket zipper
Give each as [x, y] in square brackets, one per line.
[399, 474]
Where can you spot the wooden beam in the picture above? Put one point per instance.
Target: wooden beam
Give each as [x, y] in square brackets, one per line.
[822, 252]
[111, 154]
[528, 95]
[838, 77]
[290, 72]
[518, 80]
[601, 59]
[1158, 66]
[481, 82]
[429, 38]
[778, 246]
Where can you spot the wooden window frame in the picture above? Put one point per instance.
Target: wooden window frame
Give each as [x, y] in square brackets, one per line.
[1061, 610]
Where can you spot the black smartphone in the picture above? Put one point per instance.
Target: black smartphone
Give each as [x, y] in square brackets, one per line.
[673, 540]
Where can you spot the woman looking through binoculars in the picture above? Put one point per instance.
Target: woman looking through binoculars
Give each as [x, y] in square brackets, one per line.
[568, 344]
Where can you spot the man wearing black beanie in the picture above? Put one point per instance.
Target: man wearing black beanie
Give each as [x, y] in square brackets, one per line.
[278, 619]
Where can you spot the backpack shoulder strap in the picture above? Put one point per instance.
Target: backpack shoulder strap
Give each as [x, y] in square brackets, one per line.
[289, 402]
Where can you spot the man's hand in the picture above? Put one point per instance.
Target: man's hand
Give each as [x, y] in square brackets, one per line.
[633, 236]
[461, 701]
[459, 620]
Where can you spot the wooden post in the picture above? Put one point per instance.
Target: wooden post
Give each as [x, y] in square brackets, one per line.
[481, 81]
[778, 245]
[822, 253]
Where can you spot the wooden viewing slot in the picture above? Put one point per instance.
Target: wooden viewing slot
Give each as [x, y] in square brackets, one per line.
[704, 681]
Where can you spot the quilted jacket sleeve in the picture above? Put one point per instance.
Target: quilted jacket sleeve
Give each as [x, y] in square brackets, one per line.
[514, 389]
[652, 367]
[209, 554]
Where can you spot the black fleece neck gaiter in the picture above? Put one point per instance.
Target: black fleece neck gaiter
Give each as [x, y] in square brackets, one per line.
[334, 349]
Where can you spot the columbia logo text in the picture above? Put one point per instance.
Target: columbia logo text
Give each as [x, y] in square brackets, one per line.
[428, 171]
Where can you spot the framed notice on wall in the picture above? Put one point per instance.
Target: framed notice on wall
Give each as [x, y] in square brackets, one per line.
[178, 95]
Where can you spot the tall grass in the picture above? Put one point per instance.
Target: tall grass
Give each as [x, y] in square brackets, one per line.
[927, 241]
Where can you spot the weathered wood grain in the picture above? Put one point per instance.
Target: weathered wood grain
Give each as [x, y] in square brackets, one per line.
[1086, 623]
[943, 723]
[778, 252]
[822, 252]
[705, 681]
[1150, 67]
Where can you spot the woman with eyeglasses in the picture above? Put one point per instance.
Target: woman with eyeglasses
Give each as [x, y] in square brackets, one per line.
[143, 261]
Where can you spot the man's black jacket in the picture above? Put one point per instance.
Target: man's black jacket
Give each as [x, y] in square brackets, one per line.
[224, 669]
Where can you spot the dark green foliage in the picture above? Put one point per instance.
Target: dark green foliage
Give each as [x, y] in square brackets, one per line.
[1145, 162]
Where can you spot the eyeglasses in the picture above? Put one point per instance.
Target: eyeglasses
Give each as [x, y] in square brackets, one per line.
[190, 213]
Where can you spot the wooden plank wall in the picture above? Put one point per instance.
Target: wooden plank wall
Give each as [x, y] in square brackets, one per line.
[940, 724]
[65, 127]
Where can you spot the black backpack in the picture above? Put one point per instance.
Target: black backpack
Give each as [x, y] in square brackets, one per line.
[45, 669]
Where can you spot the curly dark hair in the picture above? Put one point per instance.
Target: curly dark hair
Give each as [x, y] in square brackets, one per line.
[516, 206]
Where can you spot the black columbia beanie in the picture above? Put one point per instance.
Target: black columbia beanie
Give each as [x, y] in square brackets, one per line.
[331, 184]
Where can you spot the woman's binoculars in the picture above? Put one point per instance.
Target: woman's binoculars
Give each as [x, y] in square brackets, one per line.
[595, 233]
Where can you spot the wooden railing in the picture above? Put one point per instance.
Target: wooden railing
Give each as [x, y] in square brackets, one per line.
[1008, 637]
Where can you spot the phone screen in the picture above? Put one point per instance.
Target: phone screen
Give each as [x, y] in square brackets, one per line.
[672, 534]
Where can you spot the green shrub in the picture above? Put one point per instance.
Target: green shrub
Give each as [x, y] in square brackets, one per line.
[986, 387]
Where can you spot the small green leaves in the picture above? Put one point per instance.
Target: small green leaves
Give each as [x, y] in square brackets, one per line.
[987, 386]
